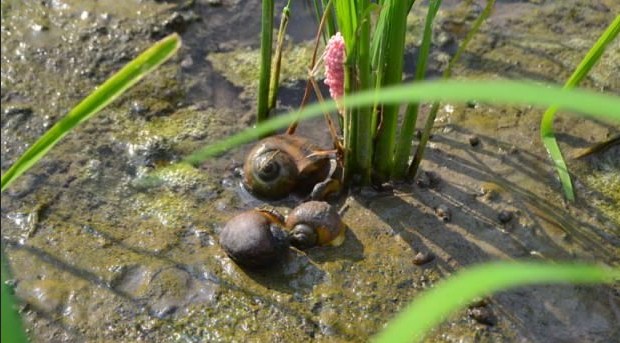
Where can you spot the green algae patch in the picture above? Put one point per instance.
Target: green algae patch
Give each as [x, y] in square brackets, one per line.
[181, 175]
[181, 131]
[241, 67]
[607, 182]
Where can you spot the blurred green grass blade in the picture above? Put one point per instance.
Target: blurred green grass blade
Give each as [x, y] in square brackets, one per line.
[432, 306]
[12, 329]
[585, 102]
[546, 124]
[94, 102]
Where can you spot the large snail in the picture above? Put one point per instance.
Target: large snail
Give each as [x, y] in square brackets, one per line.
[255, 238]
[283, 164]
[259, 238]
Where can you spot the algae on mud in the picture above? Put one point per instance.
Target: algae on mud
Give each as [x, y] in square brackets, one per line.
[134, 262]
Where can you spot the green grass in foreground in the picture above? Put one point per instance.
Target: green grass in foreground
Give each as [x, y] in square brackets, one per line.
[12, 330]
[546, 124]
[111, 89]
[432, 306]
[587, 103]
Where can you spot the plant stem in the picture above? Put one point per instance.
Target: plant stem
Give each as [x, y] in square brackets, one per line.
[430, 120]
[266, 38]
[277, 59]
[546, 123]
[350, 127]
[330, 27]
[364, 118]
[393, 68]
[327, 9]
[403, 149]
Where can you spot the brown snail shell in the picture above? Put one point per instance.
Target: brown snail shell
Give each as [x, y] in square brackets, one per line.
[315, 223]
[255, 238]
[282, 164]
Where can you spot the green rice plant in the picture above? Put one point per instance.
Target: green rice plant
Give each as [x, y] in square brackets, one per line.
[266, 40]
[432, 306]
[12, 330]
[107, 92]
[586, 103]
[430, 120]
[374, 59]
[546, 124]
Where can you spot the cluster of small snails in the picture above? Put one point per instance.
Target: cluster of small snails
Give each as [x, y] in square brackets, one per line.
[259, 238]
[276, 167]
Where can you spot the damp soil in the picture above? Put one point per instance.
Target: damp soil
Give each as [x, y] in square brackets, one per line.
[98, 255]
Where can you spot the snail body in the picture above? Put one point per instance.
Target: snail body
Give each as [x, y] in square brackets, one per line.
[283, 164]
[315, 223]
[255, 238]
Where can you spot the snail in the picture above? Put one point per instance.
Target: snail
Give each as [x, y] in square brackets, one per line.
[315, 223]
[255, 238]
[259, 237]
[283, 164]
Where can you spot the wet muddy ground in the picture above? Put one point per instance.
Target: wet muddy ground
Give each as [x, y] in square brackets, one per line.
[98, 255]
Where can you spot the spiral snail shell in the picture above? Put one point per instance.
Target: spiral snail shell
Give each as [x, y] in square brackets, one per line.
[255, 238]
[315, 223]
[283, 164]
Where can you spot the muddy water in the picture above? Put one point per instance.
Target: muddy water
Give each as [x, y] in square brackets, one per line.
[99, 256]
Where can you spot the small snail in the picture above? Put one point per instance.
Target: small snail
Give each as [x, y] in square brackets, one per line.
[255, 238]
[283, 164]
[315, 223]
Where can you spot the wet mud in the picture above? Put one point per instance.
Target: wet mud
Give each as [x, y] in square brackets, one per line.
[98, 254]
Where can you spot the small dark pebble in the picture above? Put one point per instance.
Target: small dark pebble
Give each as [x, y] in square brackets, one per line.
[482, 315]
[138, 107]
[423, 258]
[479, 302]
[163, 311]
[443, 212]
[12, 110]
[504, 216]
[405, 284]
[428, 179]
[473, 140]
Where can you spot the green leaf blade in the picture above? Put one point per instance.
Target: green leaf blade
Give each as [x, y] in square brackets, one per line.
[111, 89]
[430, 308]
[587, 103]
[546, 124]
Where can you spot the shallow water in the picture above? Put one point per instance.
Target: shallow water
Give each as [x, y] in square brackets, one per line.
[99, 256]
